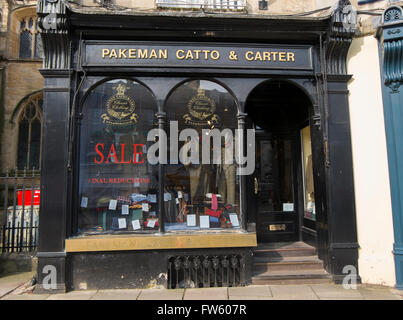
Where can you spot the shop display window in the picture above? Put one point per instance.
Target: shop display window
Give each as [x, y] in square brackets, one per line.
[200, 195]
[309, 192]
[118, 188]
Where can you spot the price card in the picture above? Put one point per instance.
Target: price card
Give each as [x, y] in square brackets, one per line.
[136, 224]
[151, 223]
[234, 220]
[125, 209]
[152, 214]
[144, 207]
[167, 196]
[288, 207]
[191, 220]
[204, 222]
[84, 202]
[177, 201]
[180, 195]
[122, 223]
[113, 204]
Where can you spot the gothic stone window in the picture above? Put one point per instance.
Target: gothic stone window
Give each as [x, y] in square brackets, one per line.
[30, 41]
[29, 134]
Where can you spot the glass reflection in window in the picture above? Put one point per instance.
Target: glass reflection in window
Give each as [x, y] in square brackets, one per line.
[200, 195]
[117, 186]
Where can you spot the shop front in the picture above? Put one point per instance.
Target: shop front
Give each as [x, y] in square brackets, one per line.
[174, 145]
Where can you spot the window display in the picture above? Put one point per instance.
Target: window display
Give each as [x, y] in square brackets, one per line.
[118, 188]
[202, 194]
[309, 193]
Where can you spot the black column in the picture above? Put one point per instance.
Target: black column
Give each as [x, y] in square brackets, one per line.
[55, 128]
[341, 218]
[52, 218]
[343, 246]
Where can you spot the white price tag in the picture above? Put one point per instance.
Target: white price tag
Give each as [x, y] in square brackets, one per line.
[204, 222]
[136, 224]
[234, 220]
[144, 207]
[191, 220]
[84, 202]
[125, 209]
[113, 204]
[122, 223]
[151, 223]
[288, 207]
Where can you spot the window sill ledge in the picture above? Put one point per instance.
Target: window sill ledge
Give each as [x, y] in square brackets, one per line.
[159, 242]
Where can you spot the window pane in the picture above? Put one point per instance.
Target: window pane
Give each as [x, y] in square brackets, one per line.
[22, 144]
[117, 185]
[35, 145]
[276, 175]
[309, 192]
[25, 44]
[200, 195]
[38, 46]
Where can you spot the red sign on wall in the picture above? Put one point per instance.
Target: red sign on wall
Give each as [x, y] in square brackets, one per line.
[28, 196]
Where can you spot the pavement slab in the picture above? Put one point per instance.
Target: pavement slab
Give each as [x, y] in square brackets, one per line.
[31, 296]
[206, 294]
[116, 294]
[378, 294]
[331, 291]
[161, 294]
[11, 282]
[293, 292]
[256, 291]
[73, 295]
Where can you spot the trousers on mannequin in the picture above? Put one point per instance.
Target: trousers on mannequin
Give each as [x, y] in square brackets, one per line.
[226, 183]
[199, 176]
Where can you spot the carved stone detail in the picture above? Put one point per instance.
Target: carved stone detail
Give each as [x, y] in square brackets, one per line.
[52, 18]
[339, 38]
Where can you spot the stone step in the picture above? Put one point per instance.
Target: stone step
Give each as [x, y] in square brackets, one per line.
[292, 277]
[279, 250]
[287, 264]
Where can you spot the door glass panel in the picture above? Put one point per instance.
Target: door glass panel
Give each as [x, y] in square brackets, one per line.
[276, 175]
[309, 193]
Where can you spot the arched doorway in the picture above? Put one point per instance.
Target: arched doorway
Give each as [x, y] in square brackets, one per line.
[282, 192]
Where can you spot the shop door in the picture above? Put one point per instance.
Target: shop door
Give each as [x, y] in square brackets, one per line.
[275, 191]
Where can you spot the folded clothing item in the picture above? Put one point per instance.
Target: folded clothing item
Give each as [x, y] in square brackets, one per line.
[213, 213]
[137, 197]
[214, 222]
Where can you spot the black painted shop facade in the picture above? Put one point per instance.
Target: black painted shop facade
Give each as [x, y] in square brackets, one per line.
[111, 219]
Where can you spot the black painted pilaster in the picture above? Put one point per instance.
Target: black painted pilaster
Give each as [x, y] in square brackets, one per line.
[54, 177]
[341, 217]
[55, 140]
[343, 246]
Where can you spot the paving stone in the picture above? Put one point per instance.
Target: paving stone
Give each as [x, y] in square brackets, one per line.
[206, 294]
[116, 294]
[26, 297]
[293, 292]
[73, 295]
[161, 294]
[325, 292]
[257, 291]
[377, 294]
[240, 298]
[11, 282]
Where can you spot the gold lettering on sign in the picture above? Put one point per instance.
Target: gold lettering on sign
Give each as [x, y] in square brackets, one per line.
[277, 56]
[195, 54]
[133, 53]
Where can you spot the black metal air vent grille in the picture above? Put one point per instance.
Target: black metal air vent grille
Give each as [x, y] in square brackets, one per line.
[206, 271]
